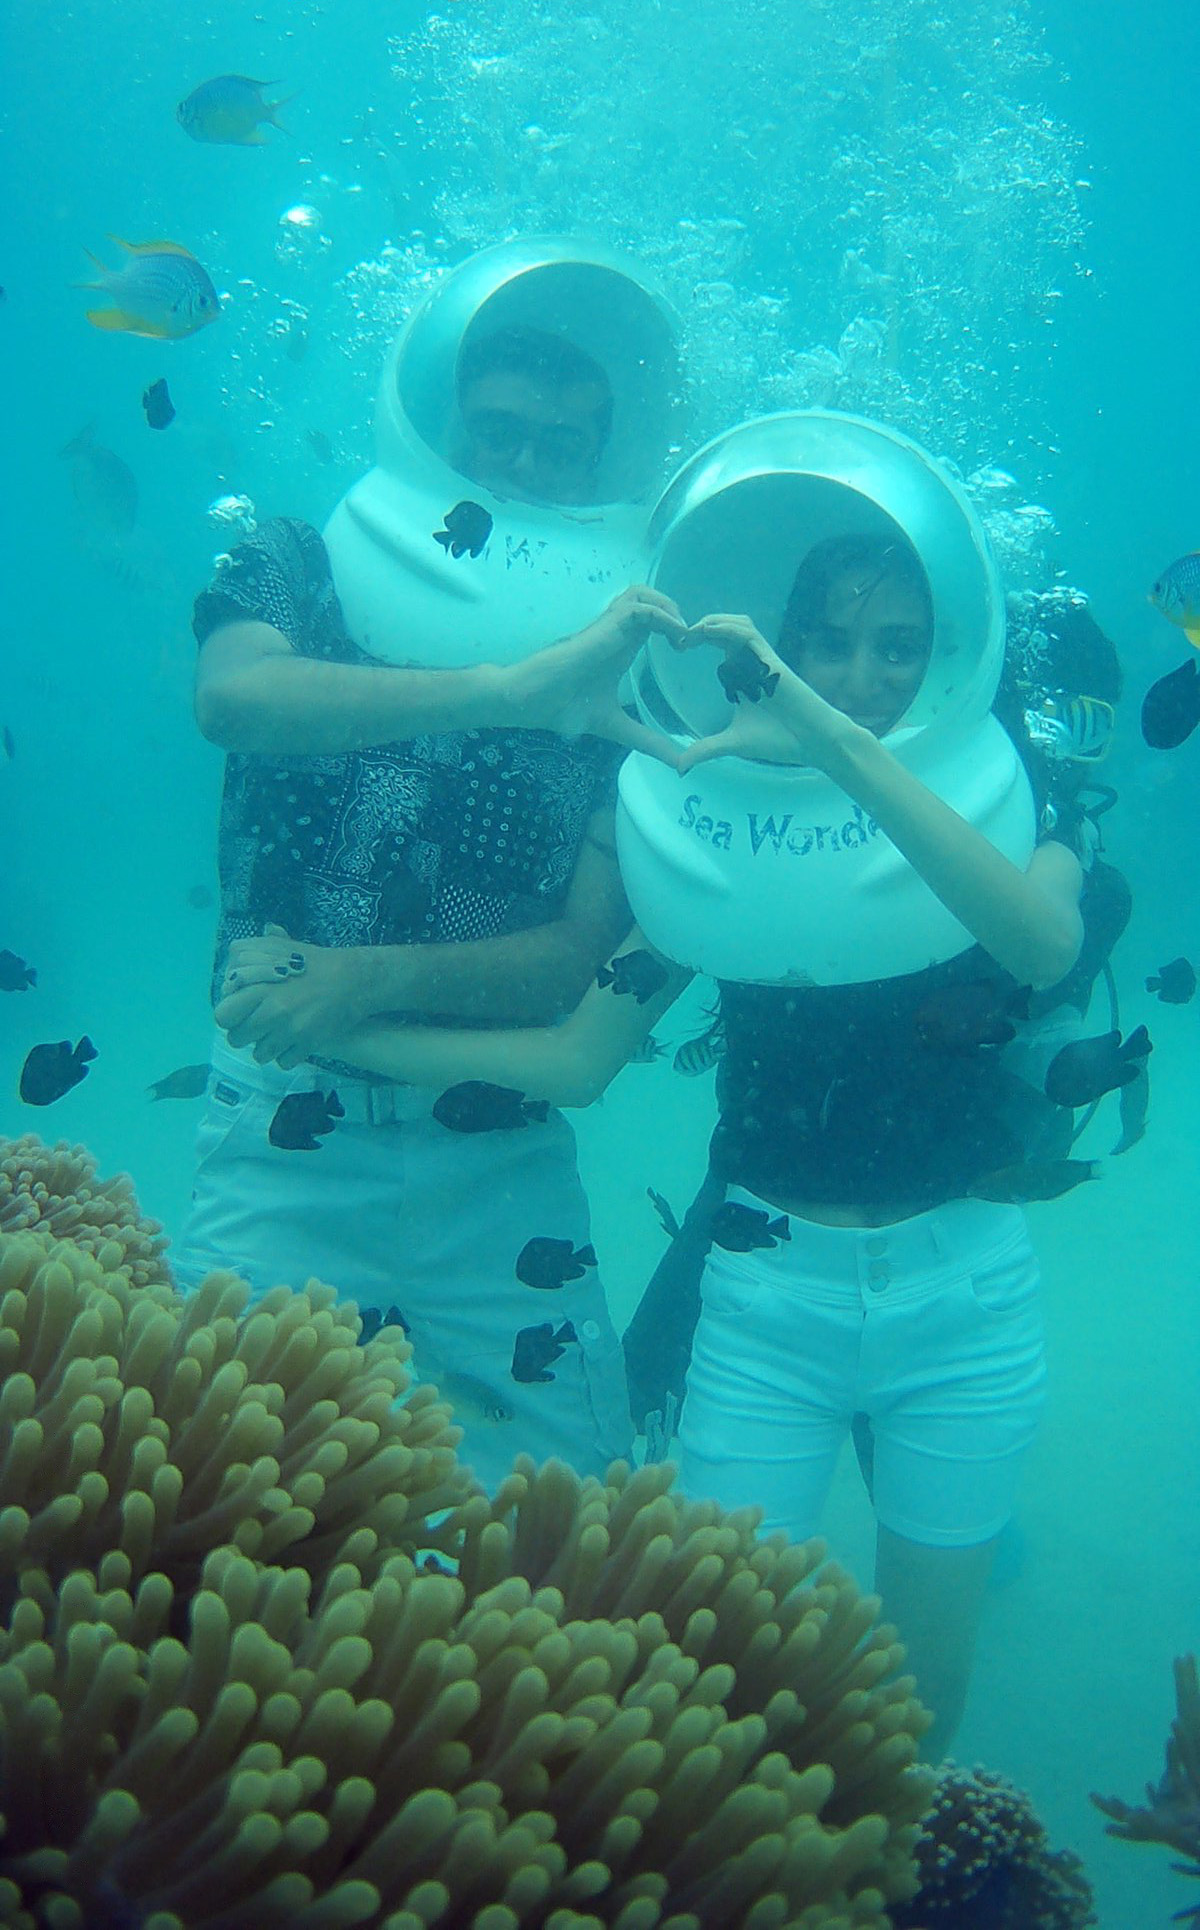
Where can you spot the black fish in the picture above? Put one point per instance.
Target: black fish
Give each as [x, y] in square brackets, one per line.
[51, 1070]
[199, 897]
[960, 1018]
[320, 444]
[666, 1215]
[475, 1106]
[1039, 1179]
[186, 1082]
[372, 1319]
[467, 528]
[743, 1229]
[1088, 1068]
[1171, 707]
[296, 345]
[160, 410]
[1175, 983]
[537, 1348]
[701, 1054]
[634, 972]
[549, 1263]
[300, 1117]
[9, 743]
[744, 674]
[15, 974]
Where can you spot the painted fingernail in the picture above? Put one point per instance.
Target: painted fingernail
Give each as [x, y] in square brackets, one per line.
[281, 971]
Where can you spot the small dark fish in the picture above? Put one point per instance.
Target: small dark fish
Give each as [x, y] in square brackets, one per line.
[666, 1217]
[1088, 1068]
[373, 1319]
[701, 1054]
[537, 1348]
[961, 1018]
[320, 444]
[1175, 983]
[51, 1070]
[15, 974]
[1040, 1179]
[744, 674]
[744, 1229]
[548, 1263]
[475, 1106]
[467, 528]
[296, 347]
[228, 110]
[199, 897]
[636, 973]
[301, 1117]
[186, 1082]
[1171, 707]
[1134, 1105]
[105, 487]
[9, 743]
[160, 410]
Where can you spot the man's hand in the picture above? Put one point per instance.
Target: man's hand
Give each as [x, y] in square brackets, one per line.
[286, 999]
[572, 686]
[777, 717]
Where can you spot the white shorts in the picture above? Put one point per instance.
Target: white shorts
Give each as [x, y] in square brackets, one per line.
[932, 1327]
[404, 1213]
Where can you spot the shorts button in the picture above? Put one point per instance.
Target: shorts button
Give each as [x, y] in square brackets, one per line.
[876, 1244]
[590, 1330]
[878, 1276]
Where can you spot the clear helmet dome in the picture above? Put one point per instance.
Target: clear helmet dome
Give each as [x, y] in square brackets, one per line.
[737, 520]
[453, 551]
[586, 297]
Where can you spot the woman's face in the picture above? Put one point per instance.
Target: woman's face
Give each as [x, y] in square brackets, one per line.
[868, 655]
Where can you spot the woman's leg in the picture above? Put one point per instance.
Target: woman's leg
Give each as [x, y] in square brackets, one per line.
[935, 1596]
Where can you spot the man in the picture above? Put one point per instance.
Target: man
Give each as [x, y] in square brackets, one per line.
[436, 830]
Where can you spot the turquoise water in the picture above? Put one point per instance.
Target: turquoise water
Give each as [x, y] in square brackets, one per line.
[879, 206]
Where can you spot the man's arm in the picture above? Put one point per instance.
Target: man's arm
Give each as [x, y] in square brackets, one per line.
[255, 695]
[526, 978]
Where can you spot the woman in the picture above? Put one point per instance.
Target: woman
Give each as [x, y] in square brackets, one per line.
[852, 1270]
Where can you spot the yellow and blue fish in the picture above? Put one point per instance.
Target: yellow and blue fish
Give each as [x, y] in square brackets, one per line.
[160, 290]
[229, 110]
[1073, 730]
[1177, 595]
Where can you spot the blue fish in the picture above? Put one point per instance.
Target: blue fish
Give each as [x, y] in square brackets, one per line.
[228, 110]
[160, 290]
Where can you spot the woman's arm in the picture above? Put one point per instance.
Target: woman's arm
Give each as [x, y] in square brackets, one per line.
[1027, 920]
[568, 1064]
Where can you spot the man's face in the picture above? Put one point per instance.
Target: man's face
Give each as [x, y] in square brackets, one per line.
[529, 439]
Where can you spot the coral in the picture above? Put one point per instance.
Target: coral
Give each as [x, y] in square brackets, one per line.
[158, 1427]
[984, 1863]
[55, 1188]
[1173, 1815]
[237, 1692]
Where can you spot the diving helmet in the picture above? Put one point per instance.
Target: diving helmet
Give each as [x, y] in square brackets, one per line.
[771, 874]
[437, 569]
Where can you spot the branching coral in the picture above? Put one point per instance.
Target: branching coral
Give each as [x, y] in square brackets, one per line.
[234, 1694]
[984, 1863]
[55, 1188]
[1173, 1815]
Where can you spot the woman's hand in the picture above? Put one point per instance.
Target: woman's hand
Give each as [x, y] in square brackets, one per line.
[777, 718]
[285, 999]
[572, 686]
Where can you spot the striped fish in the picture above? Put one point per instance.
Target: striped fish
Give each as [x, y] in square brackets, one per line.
[1075, 730]
[160, 290]
[701, 1053]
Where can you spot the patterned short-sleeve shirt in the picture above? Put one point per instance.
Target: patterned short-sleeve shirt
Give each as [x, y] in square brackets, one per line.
[449, 836]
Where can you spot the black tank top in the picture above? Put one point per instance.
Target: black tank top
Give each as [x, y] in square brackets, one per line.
[871, 1093]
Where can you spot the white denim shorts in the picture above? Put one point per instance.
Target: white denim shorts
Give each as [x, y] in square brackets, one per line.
[932, 1327]
[397, 1211]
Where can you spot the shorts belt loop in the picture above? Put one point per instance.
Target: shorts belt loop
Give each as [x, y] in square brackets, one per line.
[380, 1105]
